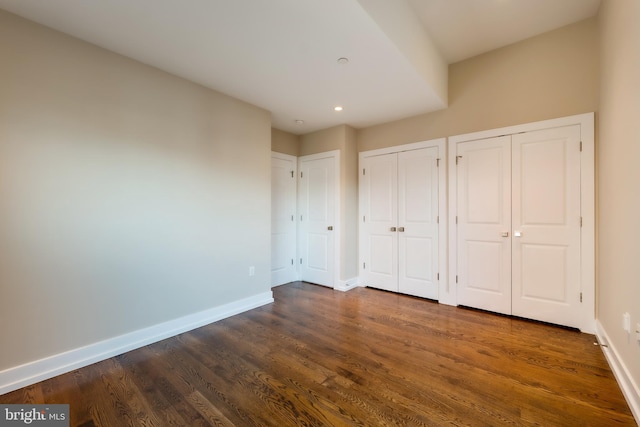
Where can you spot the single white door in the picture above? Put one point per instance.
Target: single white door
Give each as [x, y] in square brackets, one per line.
[484, 224]
[316, 210]
[379, 210]
[546, 225]
[283, 224]
[418, 222]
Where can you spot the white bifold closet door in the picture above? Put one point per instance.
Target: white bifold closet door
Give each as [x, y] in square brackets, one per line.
[546, 222]
[399, 203]
[484, 224]
[283, 223]
[518, 231]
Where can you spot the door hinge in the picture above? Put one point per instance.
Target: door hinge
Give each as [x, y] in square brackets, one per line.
[291, 174]
[457, 158]
[438, 219]
[364, 218]
[438, 276]
[291, 261]
[580, 296]
[580, 221]
[300, 217]
[437, 163]
[300, 260]
[456, 278]
[364, 265]
[364, 171]
[580, 145]
[456, 219]
[291, 217]
[300, 174]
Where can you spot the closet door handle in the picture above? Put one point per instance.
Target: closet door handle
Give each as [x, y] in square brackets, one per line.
[401, 229]
[505, 234]
[517, 234]
[330, 228]
[392, 229]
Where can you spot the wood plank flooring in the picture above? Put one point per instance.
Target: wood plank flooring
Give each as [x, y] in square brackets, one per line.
[366, 358]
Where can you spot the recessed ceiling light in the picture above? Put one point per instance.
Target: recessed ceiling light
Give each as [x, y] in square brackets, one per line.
[338, 108]
[299, 122]
[343, 61]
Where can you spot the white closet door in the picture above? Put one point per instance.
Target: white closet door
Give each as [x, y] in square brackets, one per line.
[418, 222]
[379, 207]
[546, 225]
[484, 224]
[316, 209]
[283, 225]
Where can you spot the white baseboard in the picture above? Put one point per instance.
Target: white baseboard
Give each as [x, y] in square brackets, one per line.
[629, 387]
[30, 373]
[346, 285]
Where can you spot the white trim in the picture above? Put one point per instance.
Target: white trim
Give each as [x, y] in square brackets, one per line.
[337, 229]
[579, 119]
[587, 184]
[452, 184]
[399, 148]
[347, 285]
[283, 156]
[30, 373]
[630, 388]
[444, 294]
[588, 230]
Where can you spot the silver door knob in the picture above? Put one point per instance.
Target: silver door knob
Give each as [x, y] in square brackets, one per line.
[401, 229]
[505, 234]
[392, 229]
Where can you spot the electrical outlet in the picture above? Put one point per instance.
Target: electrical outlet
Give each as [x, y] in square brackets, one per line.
[626, 322]
[252, 270]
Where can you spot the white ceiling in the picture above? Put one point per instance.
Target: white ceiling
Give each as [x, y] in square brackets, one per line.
[282, 55]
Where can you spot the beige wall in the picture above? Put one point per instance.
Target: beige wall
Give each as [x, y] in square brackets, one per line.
[342, 138]
[127, 195]
[349, 205]
[322, 140]
[619, 176]
[552, 75]
[284, 142]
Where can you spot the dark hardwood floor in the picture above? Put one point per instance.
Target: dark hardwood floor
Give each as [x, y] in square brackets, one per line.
[366, 357]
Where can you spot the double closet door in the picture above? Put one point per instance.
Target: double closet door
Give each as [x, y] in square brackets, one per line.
[399, 222]
[519, 224]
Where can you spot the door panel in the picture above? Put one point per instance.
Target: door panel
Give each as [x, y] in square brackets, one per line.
[283, 226]
[484, 224]
[484, 267]
[546, 224]
[379, 208]
[316, 206]
[418, 222]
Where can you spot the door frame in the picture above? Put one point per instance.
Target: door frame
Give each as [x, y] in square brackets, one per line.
[294, 160]
[587, 203]
[337, 227]
[441, 143]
